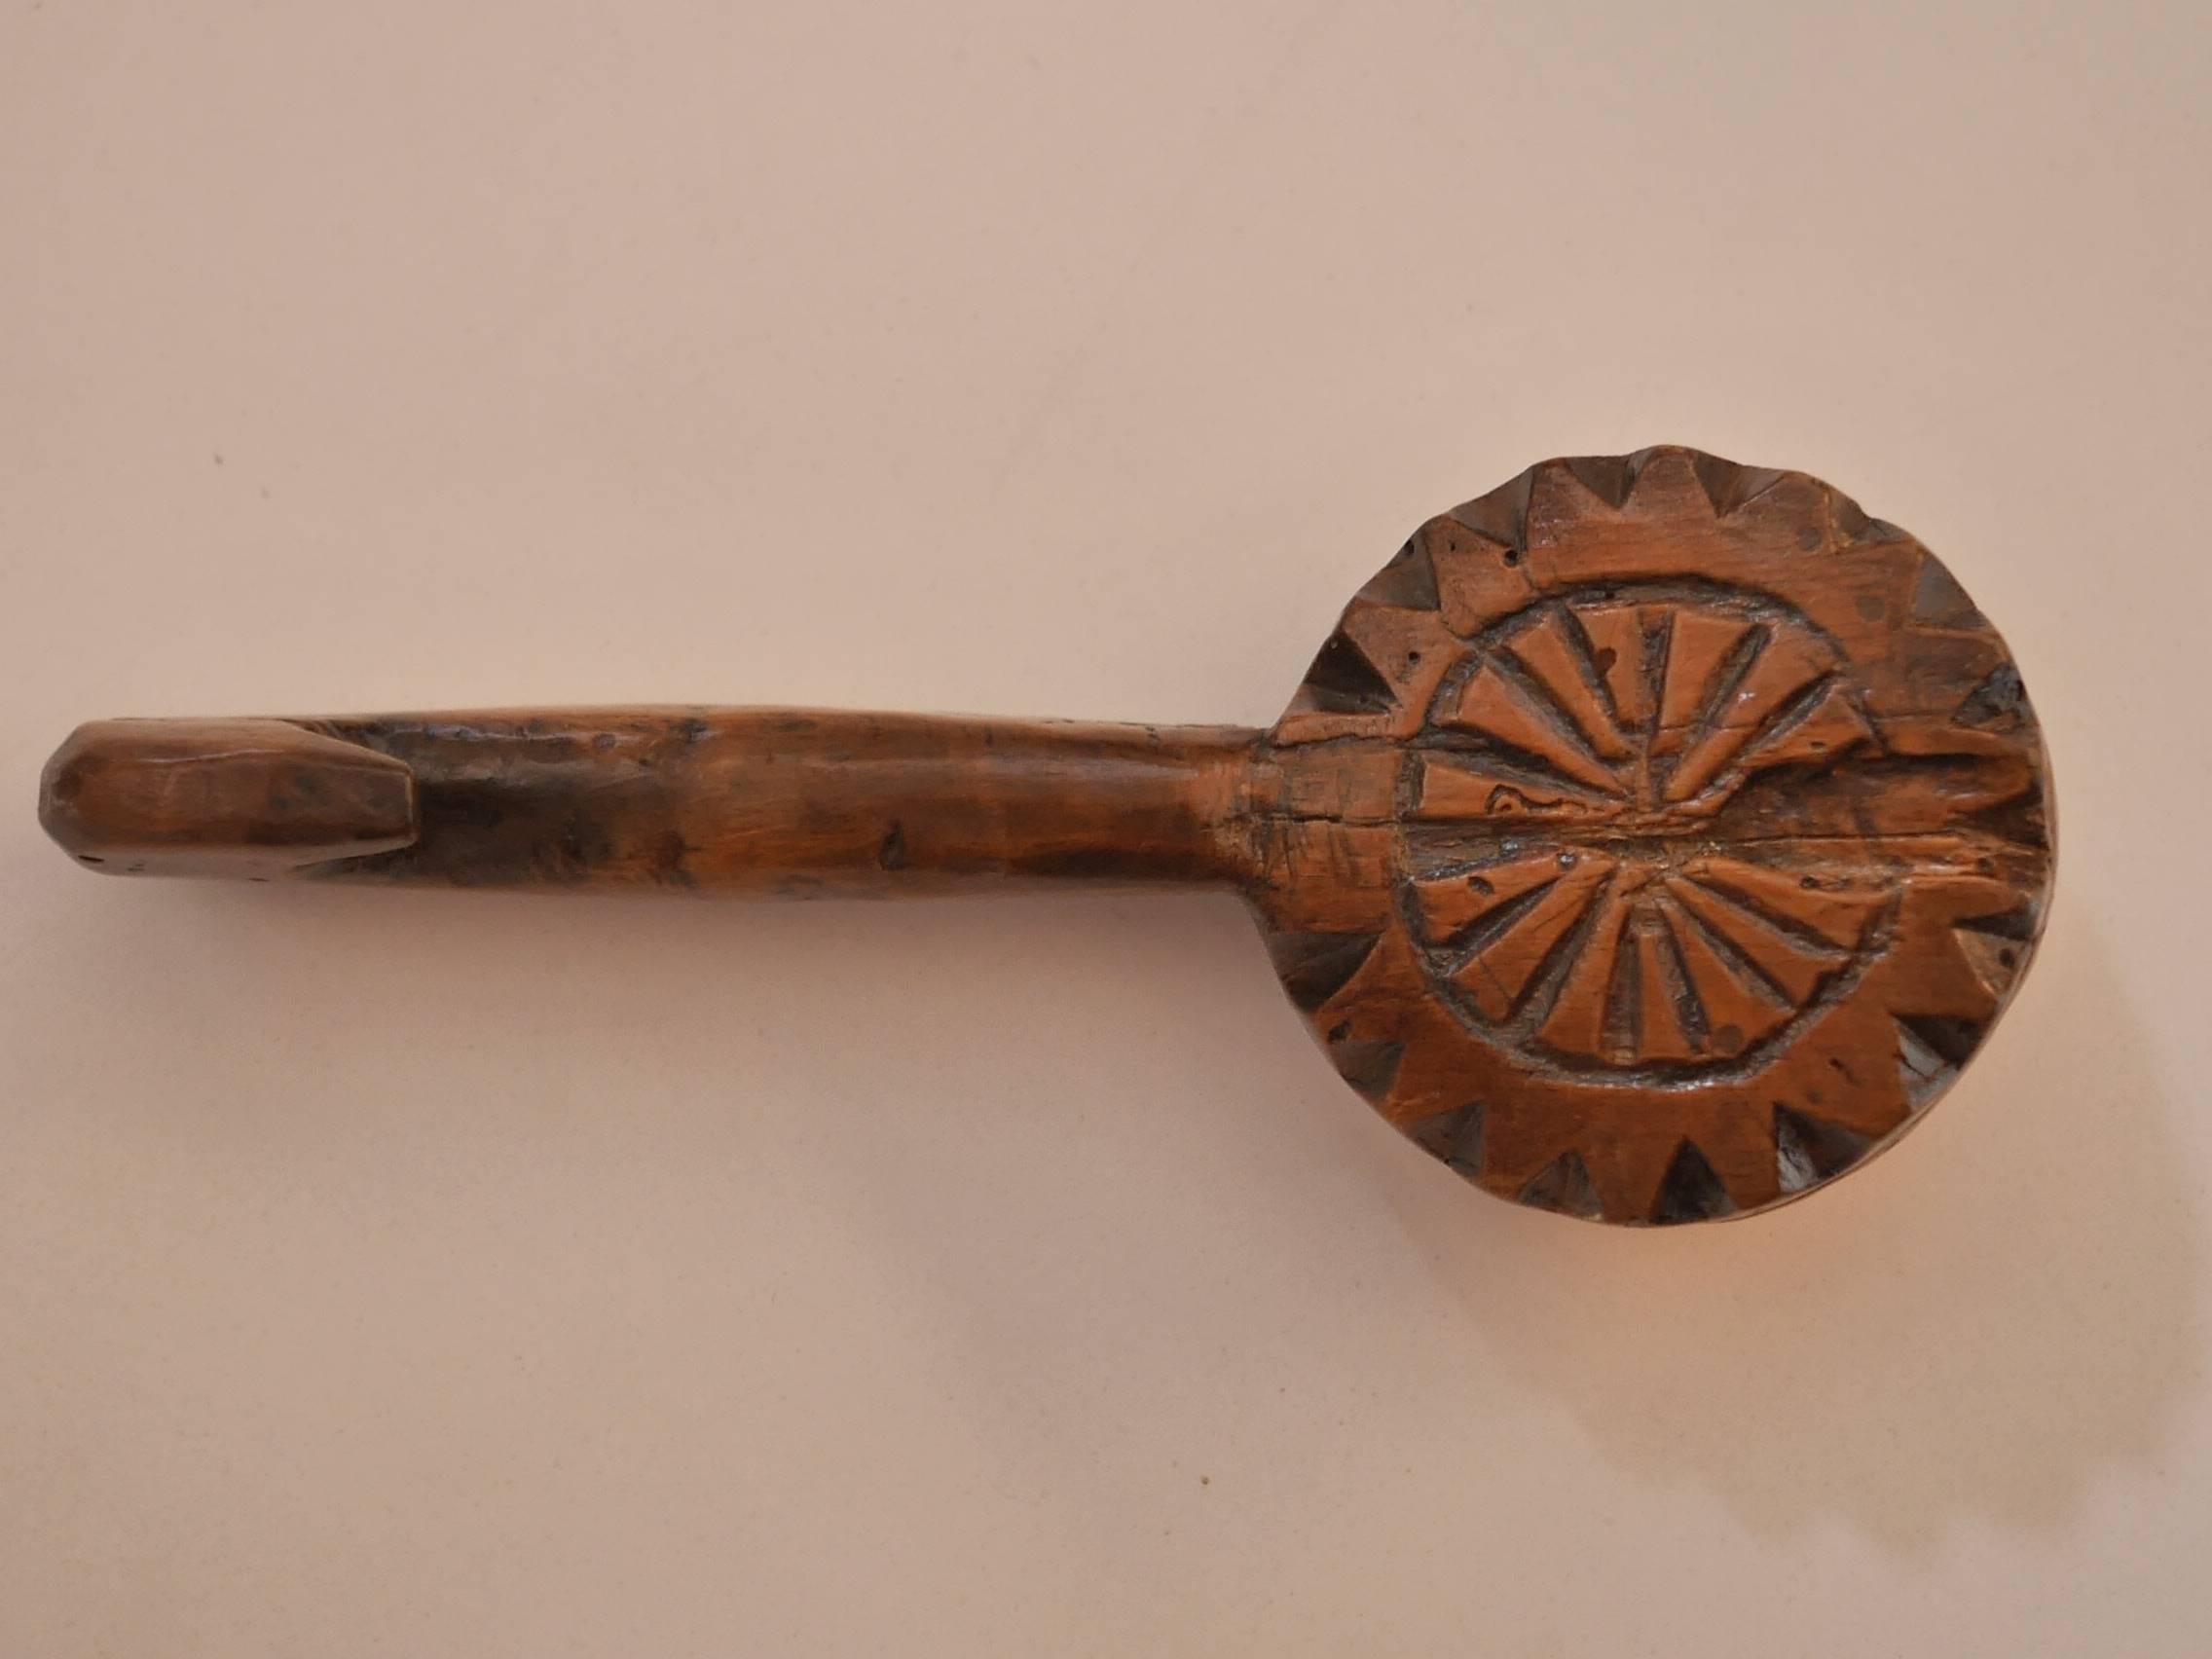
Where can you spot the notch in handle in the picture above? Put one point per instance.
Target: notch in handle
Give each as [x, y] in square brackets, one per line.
[748, 800]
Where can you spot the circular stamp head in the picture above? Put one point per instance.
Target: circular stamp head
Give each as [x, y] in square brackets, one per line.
[1656, 837]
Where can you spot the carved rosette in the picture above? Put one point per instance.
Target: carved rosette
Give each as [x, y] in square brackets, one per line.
[1656, 837]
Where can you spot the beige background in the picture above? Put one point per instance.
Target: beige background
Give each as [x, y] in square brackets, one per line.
[450, 1274]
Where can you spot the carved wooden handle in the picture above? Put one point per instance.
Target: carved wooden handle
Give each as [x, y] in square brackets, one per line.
[738, 800]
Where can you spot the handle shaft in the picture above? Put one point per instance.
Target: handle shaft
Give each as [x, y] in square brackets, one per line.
[746, 800]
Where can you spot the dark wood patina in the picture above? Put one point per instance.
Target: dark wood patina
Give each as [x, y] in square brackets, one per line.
[1653, 840]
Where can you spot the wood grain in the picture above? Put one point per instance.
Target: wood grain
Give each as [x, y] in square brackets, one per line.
[1656, 837]
[1653, 839]
[785, 802]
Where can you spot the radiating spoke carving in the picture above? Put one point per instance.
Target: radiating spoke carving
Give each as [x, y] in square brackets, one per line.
[1702, 821]
[1626, 962]
[1626, 719]
[1645, 708]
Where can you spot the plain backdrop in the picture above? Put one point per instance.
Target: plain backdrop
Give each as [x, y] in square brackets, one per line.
[450, 1274]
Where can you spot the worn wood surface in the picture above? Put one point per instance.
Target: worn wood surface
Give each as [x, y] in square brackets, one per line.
[1652, 841]
[788, 802]
[1655, 837]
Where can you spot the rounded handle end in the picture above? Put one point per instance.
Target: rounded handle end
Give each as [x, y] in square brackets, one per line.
[253, 798]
